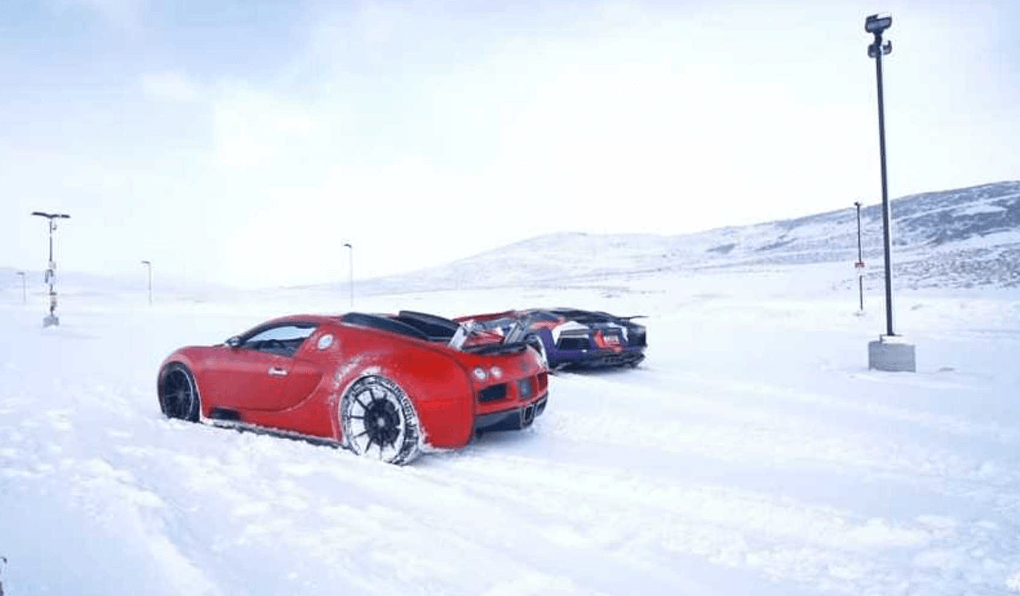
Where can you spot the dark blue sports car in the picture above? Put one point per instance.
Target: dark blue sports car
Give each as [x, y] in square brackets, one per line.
[572, 338]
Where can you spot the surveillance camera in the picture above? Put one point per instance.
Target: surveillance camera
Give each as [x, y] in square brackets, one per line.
[877, 23]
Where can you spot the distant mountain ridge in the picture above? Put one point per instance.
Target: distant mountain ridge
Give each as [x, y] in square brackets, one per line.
[955, 238]
[961, 238]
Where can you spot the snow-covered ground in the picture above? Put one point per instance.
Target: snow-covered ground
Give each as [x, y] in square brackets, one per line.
[752, 453]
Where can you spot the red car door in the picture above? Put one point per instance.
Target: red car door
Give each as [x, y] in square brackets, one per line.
[307, 367]
[255, 374]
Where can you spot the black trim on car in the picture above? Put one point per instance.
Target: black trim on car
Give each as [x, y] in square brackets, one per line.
[512, 419]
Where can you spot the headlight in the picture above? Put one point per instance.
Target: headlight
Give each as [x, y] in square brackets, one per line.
[496, 372]
[479, 373]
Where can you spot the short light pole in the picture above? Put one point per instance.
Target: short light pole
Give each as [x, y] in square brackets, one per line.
[24, 291]
[889, 352]
[51, 269]
[148, 265]
[350, 269]
[860, 255]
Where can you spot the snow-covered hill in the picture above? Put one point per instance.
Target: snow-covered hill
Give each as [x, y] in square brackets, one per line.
[957, 238]
[949, 239]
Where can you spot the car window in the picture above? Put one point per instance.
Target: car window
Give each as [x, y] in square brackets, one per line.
[283, 340]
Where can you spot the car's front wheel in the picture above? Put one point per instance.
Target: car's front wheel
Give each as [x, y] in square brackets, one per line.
[378, 420]
[178, 392]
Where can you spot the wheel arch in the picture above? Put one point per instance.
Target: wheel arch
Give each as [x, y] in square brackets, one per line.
[183, 358]
[437, 386]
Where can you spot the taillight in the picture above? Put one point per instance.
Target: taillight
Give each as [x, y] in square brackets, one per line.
[525, 388]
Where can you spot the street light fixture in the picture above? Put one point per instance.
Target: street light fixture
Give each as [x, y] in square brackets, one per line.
[24, 292]
[350, 269]
[889, 352]
[148, 265]
[51, 270]
[877, 23]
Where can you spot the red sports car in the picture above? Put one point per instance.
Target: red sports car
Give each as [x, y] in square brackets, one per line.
[386, 386]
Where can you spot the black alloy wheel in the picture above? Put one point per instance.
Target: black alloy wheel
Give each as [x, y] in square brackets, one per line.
[178, 393]
[378, 420]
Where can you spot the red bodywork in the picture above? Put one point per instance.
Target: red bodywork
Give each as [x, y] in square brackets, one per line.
[235, 384]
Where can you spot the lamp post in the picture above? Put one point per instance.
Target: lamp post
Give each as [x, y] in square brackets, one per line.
[51, 270]
[876, 24]
[860, 255]
[24, 292]
[350, 269]
[148, 265]
[889, 352]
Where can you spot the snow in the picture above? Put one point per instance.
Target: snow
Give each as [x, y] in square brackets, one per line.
[752, 452]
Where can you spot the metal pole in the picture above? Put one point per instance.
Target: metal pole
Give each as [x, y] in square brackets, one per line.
[350, 269]
[886, 212]
[860, 255]
[51, 270]
[52, 276]
[148, 265]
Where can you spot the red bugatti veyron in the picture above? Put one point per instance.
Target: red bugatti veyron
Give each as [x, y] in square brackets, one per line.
[384, 386]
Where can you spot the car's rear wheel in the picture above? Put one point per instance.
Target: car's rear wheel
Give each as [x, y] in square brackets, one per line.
[178, 393]
[378, 420]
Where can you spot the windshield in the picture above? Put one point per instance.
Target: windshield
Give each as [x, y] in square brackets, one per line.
[472, 333]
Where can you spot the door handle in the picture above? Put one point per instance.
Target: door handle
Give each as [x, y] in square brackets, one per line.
[276, 371]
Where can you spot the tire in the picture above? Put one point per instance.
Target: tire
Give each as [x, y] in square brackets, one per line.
[378, 420]
[536, 343]
[178, 393]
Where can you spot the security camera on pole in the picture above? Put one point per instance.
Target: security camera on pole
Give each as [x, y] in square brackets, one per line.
[890, 352]
[51, 269]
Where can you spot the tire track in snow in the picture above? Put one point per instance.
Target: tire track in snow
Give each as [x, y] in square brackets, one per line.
[777, 537]
[719, 429]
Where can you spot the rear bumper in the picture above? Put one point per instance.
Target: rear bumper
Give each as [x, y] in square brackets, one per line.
[513, 418]
[596, 358]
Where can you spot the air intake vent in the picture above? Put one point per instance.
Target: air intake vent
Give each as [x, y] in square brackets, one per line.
[494, 393]
[573, 343]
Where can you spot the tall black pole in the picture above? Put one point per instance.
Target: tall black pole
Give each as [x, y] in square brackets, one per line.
[886, 215]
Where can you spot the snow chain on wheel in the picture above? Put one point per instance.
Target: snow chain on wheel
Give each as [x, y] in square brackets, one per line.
[378, 420]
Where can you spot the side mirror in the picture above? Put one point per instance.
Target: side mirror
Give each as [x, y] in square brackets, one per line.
[233, 342]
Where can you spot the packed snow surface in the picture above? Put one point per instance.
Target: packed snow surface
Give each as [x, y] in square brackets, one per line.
[753, 452]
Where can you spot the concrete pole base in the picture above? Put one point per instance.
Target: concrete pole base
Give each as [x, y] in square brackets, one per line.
[892, 353]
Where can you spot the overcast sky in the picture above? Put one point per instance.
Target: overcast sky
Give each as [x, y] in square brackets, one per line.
[245, 141]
